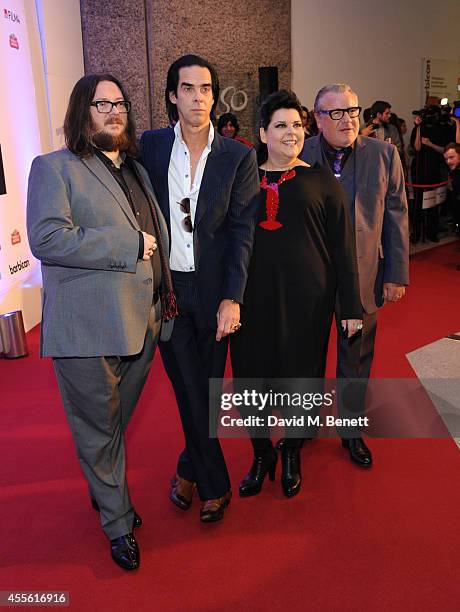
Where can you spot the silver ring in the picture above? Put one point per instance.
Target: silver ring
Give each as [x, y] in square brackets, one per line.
[359, 326]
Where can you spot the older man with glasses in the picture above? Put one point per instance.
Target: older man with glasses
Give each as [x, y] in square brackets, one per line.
[371, 174]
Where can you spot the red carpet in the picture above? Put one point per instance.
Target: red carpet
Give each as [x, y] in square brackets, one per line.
[386, 539]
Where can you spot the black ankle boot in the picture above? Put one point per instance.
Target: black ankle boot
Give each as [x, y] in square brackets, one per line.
[282, 441]
[291, 478]
[264, 462]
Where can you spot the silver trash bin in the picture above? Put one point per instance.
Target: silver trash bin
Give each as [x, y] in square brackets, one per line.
[12, 335]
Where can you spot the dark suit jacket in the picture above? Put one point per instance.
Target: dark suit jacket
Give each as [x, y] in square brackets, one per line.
[374, 185]
[225, 215]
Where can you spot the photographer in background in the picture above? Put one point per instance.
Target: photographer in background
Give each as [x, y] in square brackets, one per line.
[452, 159]
[432, 131]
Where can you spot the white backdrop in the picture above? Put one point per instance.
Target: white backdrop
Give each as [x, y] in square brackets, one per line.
[20, 143]
[41, 58]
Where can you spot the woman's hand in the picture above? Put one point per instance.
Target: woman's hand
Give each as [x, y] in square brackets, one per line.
[351, 326]
[369, 130]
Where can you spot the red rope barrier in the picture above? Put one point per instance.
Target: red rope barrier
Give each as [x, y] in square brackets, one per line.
[427, 186]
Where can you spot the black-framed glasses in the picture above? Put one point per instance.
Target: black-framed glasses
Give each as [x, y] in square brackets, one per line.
[337, 113]
[105, 106]
[187, 220]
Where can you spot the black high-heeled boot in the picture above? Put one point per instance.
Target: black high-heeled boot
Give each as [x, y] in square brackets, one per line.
[264, 463]
[291, 477]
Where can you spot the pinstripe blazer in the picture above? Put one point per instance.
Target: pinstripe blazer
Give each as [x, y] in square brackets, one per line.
[97, 296]
[225, 214]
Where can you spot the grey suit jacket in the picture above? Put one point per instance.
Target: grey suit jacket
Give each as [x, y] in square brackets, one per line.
[97, 295]
[374, 185]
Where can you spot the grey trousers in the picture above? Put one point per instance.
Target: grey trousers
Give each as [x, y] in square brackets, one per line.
[99, 396]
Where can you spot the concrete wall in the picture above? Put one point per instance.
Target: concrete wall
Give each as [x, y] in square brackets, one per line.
[138, 41]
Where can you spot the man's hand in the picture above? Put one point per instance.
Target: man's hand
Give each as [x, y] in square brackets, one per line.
[150, 245]
[351, 326]
[393, 292]
[228, 319]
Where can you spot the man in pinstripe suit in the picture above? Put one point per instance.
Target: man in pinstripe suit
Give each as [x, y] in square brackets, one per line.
[205, 186]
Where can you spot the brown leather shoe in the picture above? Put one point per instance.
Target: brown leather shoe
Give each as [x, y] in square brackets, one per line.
[212, 510]
[182, 492]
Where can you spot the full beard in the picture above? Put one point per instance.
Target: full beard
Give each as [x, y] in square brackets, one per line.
[109, 142]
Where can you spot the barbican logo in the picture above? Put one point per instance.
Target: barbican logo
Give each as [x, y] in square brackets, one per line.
[11, 16]
[21, 265]
[14, 42]
[15, 237]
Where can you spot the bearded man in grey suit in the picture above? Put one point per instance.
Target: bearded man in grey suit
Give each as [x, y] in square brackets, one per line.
[371, 174]
[94, 223]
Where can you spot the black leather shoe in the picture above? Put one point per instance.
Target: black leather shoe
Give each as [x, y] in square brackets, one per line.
[212, 510]
[182, 491]
[359, 453]
[125, 552]
[279, 445]
[137, 522]
[291, 478]
[263, 463]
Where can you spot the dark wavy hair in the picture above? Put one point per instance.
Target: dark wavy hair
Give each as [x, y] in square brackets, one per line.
[283, 98]
[172, 82]
[77, 122]
[452, 145]
[224, 119]
[379, 106]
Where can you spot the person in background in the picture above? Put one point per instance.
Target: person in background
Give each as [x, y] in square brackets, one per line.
[228, 126]
[308, 123]
[369, 127]
[381, 113]
[428, 138]
[400, 125]
[452, 159]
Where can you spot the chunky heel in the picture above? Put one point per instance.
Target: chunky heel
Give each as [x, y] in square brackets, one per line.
[264, 463]
[291, 478]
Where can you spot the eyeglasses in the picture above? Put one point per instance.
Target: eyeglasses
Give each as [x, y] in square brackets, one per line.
[187, 220]
[337, 113]
[106, 107]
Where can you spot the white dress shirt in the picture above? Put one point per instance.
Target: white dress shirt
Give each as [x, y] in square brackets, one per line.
[179, 180]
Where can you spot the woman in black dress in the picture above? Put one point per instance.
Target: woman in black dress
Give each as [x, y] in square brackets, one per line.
[304, 252]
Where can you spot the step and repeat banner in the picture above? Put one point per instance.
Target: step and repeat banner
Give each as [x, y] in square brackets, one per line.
[19, 144]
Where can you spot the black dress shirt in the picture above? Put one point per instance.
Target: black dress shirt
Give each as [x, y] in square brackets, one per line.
[126, 178]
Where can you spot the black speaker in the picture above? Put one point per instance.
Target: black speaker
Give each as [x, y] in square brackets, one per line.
[2, 175]
[268, 81]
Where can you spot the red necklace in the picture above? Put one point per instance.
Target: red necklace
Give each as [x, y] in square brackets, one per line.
[273, 200]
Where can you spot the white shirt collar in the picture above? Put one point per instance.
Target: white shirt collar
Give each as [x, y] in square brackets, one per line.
[178, 133]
